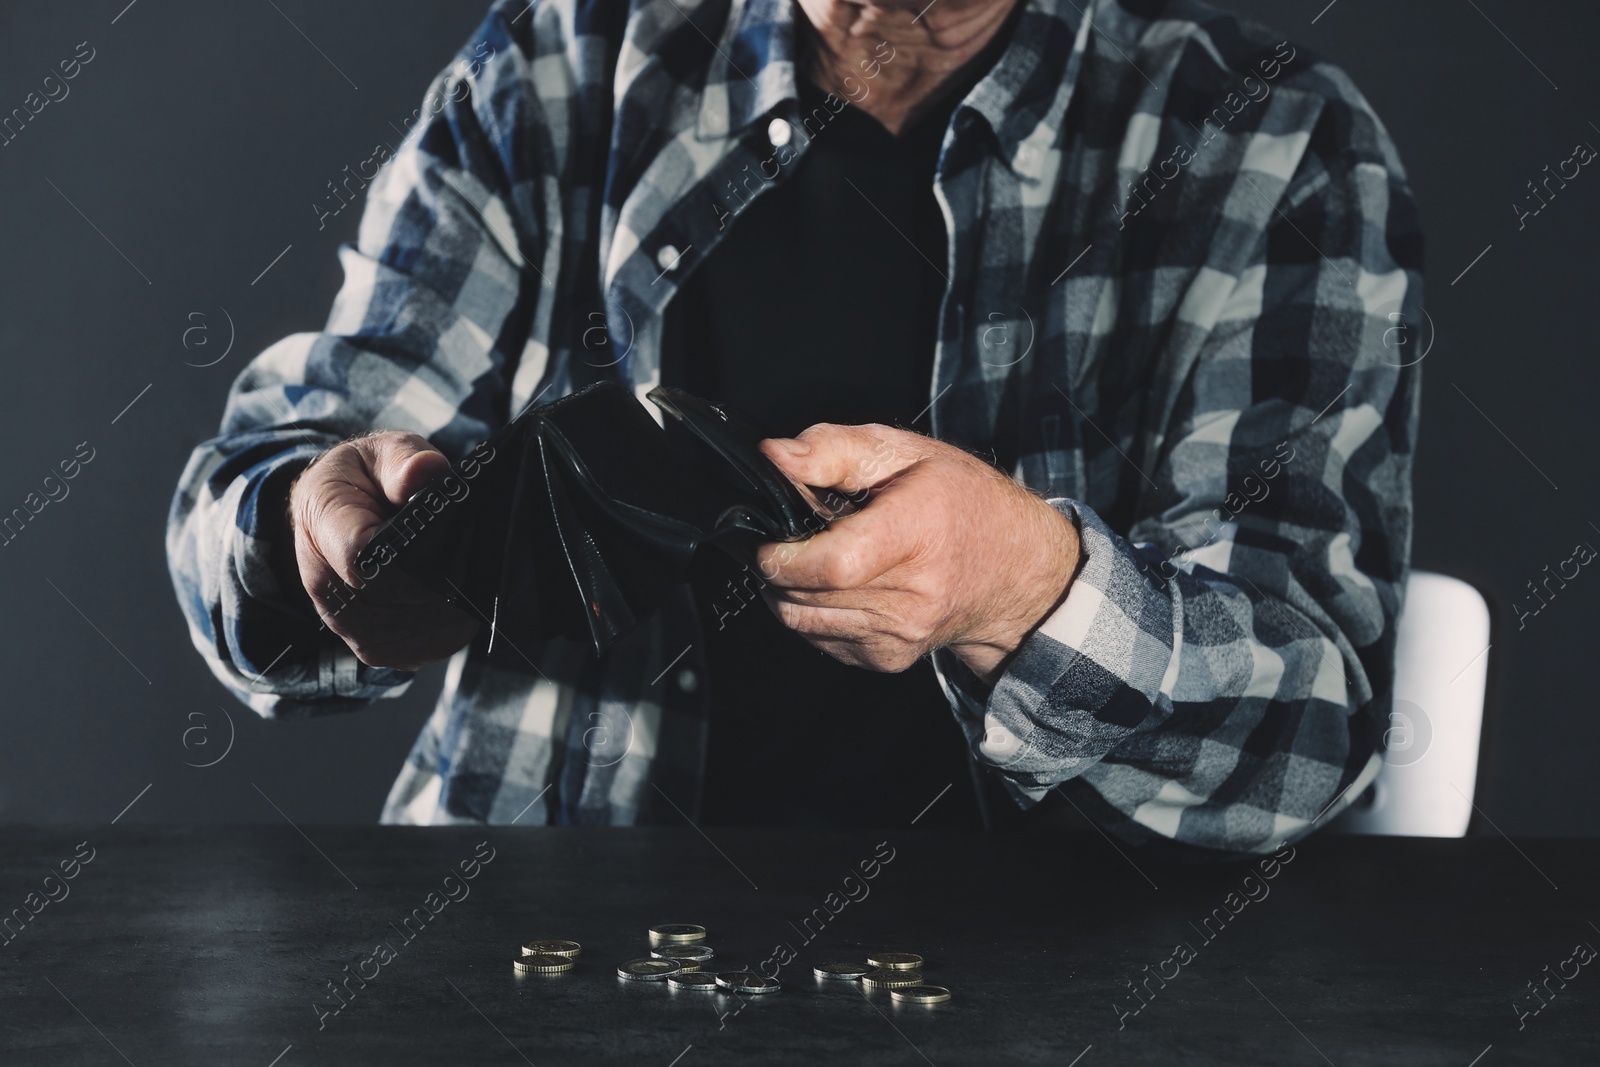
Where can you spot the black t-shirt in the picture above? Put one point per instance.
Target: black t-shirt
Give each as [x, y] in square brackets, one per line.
[821, 305]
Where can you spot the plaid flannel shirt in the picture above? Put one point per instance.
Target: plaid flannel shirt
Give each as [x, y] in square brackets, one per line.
[1178, 248]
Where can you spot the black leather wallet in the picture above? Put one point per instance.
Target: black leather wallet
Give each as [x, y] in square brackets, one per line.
[578, 517]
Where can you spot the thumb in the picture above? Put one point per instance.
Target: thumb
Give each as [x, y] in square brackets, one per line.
[846, 458]
[402, 464]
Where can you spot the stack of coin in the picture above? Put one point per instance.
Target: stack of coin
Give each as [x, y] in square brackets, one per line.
[676, 933]
[681, 959]
[898, 972]
[547, 956]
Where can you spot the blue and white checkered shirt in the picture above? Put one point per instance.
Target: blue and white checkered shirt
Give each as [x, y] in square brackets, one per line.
[1178, 251]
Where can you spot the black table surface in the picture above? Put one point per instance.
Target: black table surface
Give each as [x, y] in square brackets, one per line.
[216, 944]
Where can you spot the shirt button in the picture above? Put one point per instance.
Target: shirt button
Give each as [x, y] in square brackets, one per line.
[779, 132]
[667, 257]
[687, 681]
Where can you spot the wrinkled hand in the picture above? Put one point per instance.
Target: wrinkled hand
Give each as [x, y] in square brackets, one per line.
[335, 506]
[947, 553]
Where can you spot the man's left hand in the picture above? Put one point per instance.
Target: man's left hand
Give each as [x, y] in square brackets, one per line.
[947, 553]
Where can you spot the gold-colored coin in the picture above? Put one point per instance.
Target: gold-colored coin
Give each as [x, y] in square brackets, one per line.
[921, 994]
[895, 961]
[891, 979]
[543, 963]
[549, 947]
[677, 932]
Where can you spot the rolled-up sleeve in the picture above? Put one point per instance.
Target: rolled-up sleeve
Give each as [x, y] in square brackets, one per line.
[1218, 670]
[425, 335]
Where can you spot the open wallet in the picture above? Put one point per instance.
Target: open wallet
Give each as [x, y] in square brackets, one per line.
[578, 517]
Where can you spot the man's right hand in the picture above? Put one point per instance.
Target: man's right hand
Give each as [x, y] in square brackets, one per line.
[335, 506]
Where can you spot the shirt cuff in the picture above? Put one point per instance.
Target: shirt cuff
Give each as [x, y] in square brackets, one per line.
[288, 662]
[1098, 668]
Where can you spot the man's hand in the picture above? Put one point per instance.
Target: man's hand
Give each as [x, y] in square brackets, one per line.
[948, 552]
[334, 508]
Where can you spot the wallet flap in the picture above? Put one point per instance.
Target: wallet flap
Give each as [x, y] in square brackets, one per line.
[794, 512]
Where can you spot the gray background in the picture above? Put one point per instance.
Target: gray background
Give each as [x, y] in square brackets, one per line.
[200, 135]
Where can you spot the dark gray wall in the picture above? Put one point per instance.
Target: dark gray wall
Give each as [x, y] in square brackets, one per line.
[197, 139]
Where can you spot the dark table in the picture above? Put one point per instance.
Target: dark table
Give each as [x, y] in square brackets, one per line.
[214, 945]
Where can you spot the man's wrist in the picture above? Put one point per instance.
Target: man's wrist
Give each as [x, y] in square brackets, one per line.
[1037, 596]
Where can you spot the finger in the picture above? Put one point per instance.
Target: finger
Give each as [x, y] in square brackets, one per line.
[398, 623]
[813, 622]
[401, 464]
[851, 552]
[349, 493]
[870, 598]
[847, 635]
[338, 507]
[847, 458]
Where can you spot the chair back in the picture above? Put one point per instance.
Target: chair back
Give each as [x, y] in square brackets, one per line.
[1426, 785]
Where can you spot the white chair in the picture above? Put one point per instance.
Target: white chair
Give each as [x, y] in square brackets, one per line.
[1430, 768]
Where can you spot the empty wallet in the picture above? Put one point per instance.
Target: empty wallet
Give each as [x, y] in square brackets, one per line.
[578, 517]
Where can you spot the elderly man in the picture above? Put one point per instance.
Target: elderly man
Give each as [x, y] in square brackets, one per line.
[1094, 301]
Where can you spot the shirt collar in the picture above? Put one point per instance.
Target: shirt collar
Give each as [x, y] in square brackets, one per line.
[1022, 98]
[753, 69]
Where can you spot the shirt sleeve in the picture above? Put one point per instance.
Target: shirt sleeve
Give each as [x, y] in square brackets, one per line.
[425, 335]
[1217, 673]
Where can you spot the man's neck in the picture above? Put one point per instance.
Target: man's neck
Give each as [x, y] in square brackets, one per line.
[891, 57]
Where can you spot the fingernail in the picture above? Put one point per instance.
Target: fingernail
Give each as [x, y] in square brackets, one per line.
[795, 447]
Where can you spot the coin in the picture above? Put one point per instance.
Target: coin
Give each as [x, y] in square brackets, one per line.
[677, 932]
[747, 982]
[682, 952]
[542, 963]
[552, 948]
[699, 981]
[895, 961]
[850, 972]
[648, 970]
[891, 979]
[922, 994]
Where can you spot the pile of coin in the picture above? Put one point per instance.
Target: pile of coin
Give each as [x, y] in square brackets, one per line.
[898, 972]
[680, 958]
[547, 956]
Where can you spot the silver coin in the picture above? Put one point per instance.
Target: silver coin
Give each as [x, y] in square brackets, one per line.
[699, 981]
[747, 982]
[895, 961]
[921, 994]
[552, 947]
[649, 970]
[682, 952]
[677, 932]
[849, 972]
